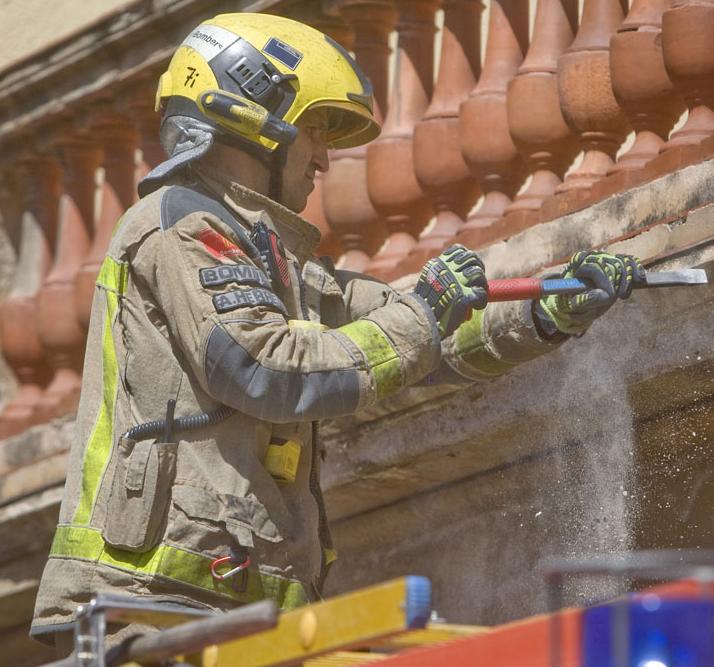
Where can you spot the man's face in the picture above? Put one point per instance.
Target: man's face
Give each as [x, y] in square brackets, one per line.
[306, 156]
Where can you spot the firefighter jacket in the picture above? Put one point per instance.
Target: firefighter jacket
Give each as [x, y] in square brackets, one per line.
[185, 310]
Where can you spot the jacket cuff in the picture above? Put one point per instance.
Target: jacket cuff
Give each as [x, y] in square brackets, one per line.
[496, 340]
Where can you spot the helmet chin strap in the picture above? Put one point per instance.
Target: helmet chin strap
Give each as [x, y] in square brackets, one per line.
[277, 164]
[274, 161]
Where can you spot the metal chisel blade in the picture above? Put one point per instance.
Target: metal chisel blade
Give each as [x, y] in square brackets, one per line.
[674, 278]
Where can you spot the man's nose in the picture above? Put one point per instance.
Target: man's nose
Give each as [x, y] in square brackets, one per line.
[320, 156]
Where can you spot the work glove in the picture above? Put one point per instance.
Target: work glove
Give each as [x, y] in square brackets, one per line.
[611, 277]
[452, 284]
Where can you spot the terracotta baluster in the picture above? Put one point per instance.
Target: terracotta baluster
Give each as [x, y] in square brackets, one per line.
[138, 103]
[642, 88]
[537, 126]
[314, 212]
[486, 141]
[586, 96]
[391, 181]
[333, 26]
[372, 21]
[119, 140]
[11, 206]
[21, 345]
[60, 329]
[440, 167]
[348, 208]
[687, 38]
[11, 211]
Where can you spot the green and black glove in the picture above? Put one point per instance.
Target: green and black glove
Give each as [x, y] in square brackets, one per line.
[452, 284]
[612, 277]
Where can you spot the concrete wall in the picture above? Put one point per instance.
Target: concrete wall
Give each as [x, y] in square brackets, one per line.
[31, 25]
[592, 449]
[603, 445]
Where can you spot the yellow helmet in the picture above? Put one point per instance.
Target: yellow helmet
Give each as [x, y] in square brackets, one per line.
[253, 75]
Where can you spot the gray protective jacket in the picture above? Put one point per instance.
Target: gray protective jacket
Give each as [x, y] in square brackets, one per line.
[184, 310]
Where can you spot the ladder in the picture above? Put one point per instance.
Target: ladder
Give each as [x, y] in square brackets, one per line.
[358, 628]
[391, 624]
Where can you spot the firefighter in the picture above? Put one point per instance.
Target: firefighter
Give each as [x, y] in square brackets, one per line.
[218, 340]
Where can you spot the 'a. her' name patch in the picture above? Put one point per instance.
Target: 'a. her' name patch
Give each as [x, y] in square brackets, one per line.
[248, 298]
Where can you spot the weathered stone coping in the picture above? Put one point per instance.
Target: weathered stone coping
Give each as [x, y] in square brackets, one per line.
[96, 61]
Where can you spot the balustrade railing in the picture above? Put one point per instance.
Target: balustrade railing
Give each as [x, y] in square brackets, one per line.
[476, 153]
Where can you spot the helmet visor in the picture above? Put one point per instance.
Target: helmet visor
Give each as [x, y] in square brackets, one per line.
[349, 124]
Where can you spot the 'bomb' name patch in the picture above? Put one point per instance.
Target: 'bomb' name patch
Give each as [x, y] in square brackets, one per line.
[217, 276]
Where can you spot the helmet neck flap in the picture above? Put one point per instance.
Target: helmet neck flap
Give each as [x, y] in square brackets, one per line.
[243, 80]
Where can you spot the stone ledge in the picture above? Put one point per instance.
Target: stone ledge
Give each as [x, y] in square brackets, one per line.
[35, 459]
[19, 580]
[31, 478]
[37, 443]
[27, 525]
[19, 650]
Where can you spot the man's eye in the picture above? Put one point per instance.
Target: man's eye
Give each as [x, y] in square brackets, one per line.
[316, 132]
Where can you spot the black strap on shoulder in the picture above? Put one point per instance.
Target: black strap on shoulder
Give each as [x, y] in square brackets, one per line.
[179, 201]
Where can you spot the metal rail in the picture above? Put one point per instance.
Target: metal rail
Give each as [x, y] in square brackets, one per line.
[191, 637]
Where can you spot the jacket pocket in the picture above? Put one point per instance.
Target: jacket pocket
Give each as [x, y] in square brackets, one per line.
[143, 473]
[240, 517]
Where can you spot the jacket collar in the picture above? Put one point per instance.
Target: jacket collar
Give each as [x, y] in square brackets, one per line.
[298, 235]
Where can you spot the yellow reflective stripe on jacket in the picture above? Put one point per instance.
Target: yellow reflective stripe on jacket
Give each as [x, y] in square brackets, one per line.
[381, 356]
[113, 278]
[113, 275]
[473, 349]
[170, 562]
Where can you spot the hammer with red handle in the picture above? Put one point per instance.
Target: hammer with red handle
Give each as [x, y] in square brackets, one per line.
[520, 289]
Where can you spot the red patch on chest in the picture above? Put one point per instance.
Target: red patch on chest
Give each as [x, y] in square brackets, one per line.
[219, 246]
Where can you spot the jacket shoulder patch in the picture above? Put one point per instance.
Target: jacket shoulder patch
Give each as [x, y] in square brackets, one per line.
[178, 202]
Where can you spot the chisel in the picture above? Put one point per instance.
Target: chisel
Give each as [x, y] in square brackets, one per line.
[518, 289]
